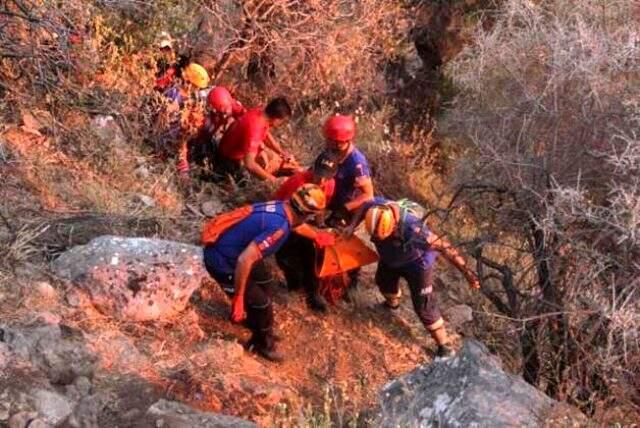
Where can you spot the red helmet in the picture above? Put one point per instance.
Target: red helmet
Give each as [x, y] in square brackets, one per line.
[340, 128]
[219, 99]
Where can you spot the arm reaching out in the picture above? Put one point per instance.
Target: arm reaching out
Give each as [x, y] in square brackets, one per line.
[247, 258]
[366, 194]
[255, 169]
[322, 238]
[357, 218]
[449, 252]
[274, 145]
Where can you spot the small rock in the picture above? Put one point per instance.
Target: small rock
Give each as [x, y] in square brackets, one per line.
[38, 423]
[4, 412]
[132, 414]
[53, 407]
[87, 412]
[107, 130]
[5, 406]
[142, 171]
[4, 356]
[146, 200]
[22, 419]
[47, 318]
[72, 298]
[72, 393]
[179, 415]
[46, 290]
[83, 385]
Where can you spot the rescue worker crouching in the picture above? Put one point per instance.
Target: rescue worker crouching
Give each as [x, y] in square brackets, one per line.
[296, 258]
[408, 249]
[201, 149]
[243, 142]
[235, 260]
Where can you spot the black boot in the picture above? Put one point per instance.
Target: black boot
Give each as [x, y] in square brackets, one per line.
[444, 352]
[316, 303]
[264, 345]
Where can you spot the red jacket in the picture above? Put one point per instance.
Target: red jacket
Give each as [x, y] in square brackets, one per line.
[245, 135]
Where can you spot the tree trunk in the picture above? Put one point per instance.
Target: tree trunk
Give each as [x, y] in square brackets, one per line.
[552, 302]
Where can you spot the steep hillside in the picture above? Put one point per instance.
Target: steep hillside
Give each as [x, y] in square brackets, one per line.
[441, 92]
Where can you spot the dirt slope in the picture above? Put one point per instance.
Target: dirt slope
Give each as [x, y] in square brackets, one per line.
[335, 364]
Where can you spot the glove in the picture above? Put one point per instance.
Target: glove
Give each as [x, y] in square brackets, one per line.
[183, 167]
[324, 239]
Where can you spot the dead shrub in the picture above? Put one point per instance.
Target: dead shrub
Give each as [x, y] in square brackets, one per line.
[549, 112]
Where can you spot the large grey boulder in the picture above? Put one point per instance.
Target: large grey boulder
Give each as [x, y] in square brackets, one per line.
[175, 415]
[136, 279]
[470, 390]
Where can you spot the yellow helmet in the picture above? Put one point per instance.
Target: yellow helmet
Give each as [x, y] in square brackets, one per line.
[380, 221]
[196, 75]
[308, 199]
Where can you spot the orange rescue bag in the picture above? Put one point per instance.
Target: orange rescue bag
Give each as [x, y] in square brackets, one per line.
[219, 224]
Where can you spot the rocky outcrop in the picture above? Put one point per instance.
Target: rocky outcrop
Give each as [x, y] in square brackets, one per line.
[36, 393]
[470, 390]
[136, 279]
[45, 378]
[175, 415]
[52, 349]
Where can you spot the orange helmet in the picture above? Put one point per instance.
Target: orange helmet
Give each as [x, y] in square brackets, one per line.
[196, 75]
[380, 221]
[220, 100]
[308, 199]
[340, 128]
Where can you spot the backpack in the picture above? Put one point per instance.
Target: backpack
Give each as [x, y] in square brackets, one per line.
[407, 207]
[411, 207]
[215, 227]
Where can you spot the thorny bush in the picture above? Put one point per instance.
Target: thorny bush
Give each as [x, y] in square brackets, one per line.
[549, 109]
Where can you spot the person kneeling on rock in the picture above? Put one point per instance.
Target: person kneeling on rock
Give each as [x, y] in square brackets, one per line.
[236, 244]
[408, 249]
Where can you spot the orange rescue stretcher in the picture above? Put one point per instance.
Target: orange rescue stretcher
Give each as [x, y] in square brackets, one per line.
[333, 263]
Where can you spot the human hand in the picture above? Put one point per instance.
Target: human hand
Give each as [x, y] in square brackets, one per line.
[237, 309]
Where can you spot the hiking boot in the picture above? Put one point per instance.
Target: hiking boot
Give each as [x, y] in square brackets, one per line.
[393, 305]
[269, 354]
[392, 300]
[444, 352]
[316, 303]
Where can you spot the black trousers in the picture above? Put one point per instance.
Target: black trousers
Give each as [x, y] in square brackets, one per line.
[420, 281]
[224, 168]
[257, 301]
[296, 258]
